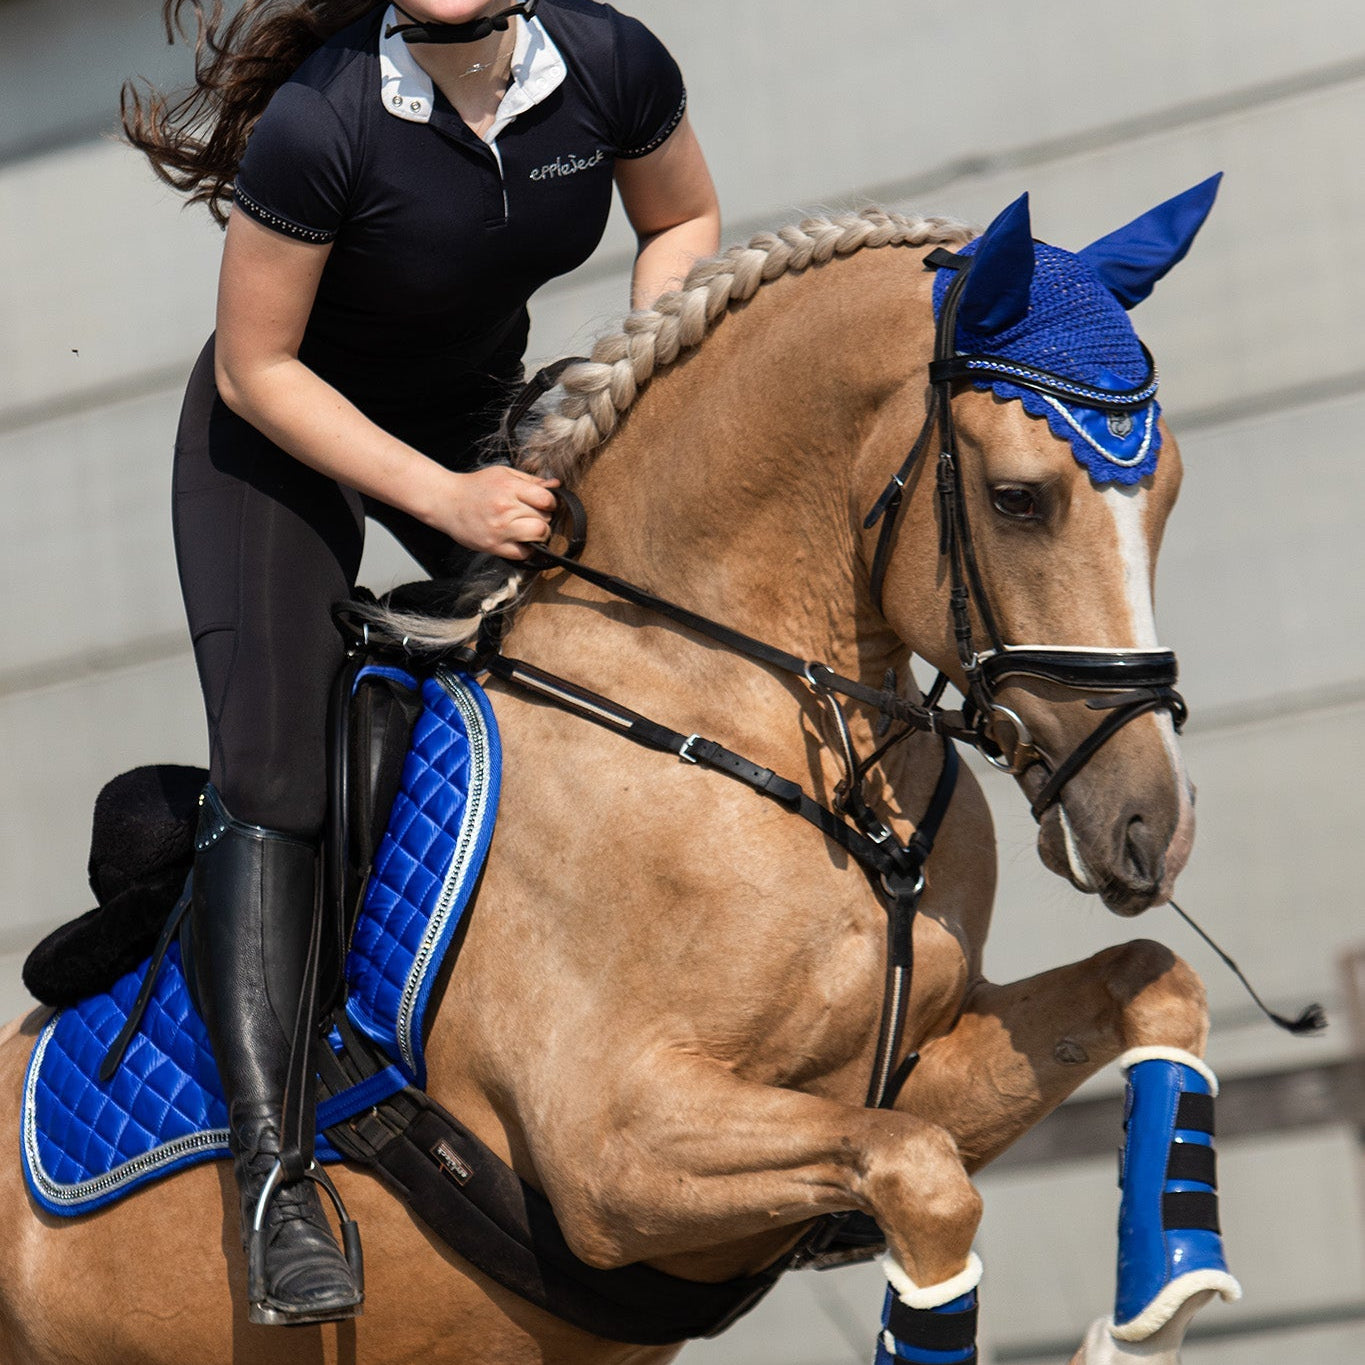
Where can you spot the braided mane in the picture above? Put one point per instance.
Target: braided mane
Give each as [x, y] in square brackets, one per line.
[600, 391]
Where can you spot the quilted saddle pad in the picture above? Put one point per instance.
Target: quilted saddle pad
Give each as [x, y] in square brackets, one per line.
[87, 1143]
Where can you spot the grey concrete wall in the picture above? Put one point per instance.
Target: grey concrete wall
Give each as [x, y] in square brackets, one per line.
[1098, 110]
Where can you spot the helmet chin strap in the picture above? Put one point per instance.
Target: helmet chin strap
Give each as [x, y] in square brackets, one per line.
[471, 32]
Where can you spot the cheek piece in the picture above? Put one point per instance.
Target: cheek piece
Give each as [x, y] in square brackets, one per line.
[471, 32]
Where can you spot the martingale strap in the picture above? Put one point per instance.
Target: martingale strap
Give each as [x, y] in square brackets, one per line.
[896, 871]
[892, 864]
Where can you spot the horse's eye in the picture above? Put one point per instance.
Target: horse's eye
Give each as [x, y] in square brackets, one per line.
[1014, 502]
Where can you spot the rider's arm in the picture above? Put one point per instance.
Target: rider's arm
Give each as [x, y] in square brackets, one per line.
[265, 292]
[671, 203]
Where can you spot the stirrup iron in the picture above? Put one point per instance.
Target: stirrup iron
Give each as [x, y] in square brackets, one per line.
[259, 1308]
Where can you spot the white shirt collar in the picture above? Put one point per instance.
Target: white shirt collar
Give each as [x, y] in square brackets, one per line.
[405, 90]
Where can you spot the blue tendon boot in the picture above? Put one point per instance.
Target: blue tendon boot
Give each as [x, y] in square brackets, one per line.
[933, 1326]
[1170, 1244]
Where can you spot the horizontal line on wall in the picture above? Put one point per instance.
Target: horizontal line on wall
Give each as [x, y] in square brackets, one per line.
[1181, 114]
[95, 663]
[1269, 402]
[1269, 1102]
[167, 645]
[1233, 1326]
[1105, 136]
[74, 402]
[61, 139]
[1212, 718]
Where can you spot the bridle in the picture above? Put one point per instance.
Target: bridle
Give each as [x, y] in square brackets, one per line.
[1127, 683]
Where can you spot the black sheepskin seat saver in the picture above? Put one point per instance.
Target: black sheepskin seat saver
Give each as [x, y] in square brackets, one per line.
[141, 851]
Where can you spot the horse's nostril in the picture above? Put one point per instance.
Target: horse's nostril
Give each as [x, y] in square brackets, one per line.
[1143, 854]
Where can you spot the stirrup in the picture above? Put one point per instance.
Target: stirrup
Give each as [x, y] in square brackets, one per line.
[260, 1310]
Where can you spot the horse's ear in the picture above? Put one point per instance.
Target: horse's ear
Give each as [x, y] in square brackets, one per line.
[1131, 260]
[996, 294]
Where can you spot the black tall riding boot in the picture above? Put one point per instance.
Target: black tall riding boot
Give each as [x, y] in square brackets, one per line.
[253, 922]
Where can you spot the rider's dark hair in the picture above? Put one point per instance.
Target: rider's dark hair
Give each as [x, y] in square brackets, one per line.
[195, 137]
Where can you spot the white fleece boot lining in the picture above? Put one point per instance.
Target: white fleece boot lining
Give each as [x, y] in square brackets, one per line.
[1169, 1301]
[1134, 1055]
[934, 1295]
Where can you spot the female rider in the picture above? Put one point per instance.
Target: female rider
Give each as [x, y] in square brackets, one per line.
[411, 177]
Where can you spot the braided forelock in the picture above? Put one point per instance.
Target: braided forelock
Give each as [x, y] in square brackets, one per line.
[598, 392]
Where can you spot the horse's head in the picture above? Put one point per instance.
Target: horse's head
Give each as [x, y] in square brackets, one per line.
[1050, 498]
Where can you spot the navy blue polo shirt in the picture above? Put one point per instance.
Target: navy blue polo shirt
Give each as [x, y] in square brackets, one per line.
[440, 237]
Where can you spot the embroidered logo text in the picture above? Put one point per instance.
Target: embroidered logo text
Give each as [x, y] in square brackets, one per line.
[567, 165]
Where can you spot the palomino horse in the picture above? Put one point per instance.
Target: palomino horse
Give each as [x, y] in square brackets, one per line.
[667, 1005]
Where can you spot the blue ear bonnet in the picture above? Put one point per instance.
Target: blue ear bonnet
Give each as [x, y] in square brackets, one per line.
[1031, 304]
[1076, 329]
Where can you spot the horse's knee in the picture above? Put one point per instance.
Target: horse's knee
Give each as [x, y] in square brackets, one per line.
[1159, 996]
[927, 1205]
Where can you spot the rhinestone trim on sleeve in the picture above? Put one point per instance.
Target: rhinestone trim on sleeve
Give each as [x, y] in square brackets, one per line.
[273, 220]
[662, 137]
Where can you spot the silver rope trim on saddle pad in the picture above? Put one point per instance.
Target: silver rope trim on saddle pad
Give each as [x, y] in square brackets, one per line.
[464, 868]
[85, 1195]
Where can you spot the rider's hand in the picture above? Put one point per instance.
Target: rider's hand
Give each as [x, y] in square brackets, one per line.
[499, 510]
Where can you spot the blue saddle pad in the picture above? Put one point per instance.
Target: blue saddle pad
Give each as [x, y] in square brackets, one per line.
[87, 1143]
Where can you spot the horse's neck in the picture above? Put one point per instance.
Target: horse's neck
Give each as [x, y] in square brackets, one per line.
[734, 484]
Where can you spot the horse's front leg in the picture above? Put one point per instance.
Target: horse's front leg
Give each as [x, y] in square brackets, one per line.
[1020, 1049]
[689, 1156]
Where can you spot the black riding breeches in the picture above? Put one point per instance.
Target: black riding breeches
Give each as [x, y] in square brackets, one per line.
[265, 547]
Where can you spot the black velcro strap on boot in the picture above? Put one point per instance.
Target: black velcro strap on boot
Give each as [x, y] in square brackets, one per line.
[1192, 1161]
[929, 1329]
[1190, 1209]
[1194, 1113]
